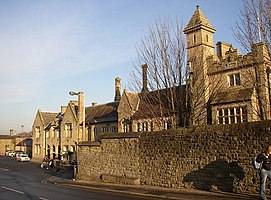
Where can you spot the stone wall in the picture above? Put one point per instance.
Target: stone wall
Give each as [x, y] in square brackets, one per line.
[115, 156]
[216, 158]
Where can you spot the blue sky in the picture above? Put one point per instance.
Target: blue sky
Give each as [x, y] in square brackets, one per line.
[48, 48]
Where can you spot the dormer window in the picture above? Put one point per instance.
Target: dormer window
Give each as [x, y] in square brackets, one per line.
[234, 80]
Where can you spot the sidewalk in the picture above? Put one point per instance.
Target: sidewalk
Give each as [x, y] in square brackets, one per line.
[65, 179]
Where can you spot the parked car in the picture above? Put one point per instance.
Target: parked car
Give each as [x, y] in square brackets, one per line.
[9, 152]
[18, 154]
[12, 153]
[23, 158]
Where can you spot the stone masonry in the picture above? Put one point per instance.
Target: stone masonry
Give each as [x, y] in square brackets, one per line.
[214, 158]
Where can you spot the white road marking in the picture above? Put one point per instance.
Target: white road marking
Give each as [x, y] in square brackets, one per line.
[41, 198]
[4, 169]
[13, 190]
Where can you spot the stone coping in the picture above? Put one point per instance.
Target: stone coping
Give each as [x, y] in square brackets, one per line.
[120, 135]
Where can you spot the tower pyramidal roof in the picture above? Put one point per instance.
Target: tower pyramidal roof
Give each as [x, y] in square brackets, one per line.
[199, 20]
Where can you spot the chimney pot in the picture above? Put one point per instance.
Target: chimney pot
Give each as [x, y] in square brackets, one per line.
[117, 89]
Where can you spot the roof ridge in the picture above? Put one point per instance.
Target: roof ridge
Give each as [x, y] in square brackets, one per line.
[103, 104]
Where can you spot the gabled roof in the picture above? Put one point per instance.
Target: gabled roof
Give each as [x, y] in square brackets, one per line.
[133, 99]
[73, 105]
[237, 95]
[197, 20]
[102, 113]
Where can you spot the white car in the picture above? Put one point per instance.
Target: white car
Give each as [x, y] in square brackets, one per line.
[18, 154]
[23, 158]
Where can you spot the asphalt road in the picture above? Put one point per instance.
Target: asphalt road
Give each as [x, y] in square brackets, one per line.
[28, 181]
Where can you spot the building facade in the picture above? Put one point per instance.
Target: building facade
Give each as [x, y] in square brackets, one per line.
[224, 87]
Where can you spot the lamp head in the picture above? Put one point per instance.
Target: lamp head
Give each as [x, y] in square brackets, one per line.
[73, 93]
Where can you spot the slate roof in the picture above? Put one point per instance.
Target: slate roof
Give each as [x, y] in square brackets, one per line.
[47, 117]
[102, 113]
[237, 95]
[198, 19]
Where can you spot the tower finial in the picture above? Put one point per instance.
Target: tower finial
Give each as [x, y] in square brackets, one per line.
[197, 7]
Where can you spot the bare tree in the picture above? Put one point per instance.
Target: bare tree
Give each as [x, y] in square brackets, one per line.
[253, 32]
[162, 49]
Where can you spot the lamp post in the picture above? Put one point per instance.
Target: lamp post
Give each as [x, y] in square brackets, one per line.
[81, 120]
[22, 143]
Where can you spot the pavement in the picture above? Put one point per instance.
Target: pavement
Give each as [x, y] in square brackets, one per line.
[150, 192]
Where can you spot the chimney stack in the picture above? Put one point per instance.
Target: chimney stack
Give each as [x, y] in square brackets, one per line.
[117, 89]
[144, 78]
[81, 107]
[11, 132]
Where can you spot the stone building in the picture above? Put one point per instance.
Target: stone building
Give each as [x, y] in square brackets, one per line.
[55, 135]
[20, 141]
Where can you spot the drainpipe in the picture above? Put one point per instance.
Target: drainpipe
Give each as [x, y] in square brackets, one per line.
[268, 82]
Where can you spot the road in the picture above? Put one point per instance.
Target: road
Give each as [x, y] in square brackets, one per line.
[27, 180]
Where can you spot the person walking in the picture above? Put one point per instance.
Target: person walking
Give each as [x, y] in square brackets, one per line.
[265, 171]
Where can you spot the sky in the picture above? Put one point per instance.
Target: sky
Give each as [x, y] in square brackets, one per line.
[49, 47]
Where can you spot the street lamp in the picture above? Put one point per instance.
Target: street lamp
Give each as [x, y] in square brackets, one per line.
[73, 93]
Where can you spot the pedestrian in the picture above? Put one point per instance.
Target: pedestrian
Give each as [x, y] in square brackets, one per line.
[51, 163]
[265, 171]
[57, 166]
